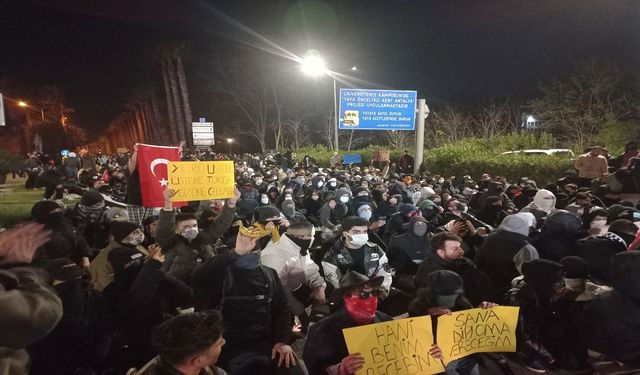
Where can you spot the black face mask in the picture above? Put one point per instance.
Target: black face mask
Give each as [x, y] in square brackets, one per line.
[304, 244]
[54, 220]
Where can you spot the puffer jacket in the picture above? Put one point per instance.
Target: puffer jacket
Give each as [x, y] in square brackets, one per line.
[560, 235]
[182, 255]
[611, 323]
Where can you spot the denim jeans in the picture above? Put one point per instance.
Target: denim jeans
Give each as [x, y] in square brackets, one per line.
[463, 366]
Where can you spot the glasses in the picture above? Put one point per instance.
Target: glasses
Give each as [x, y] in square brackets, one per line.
[364, 294]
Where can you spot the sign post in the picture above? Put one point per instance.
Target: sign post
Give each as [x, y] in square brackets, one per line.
[423, 112]
[202, 133]
[3, 121]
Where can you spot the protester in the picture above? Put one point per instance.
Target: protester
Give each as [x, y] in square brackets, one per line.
[592, 165]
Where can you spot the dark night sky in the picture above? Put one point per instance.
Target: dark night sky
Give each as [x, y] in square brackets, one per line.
[450, 51]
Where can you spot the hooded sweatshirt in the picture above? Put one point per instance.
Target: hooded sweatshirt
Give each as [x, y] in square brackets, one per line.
[543, 200]
[504, 251]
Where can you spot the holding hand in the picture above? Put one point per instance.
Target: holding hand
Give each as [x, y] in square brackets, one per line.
[244, 244]
[155, 252]
[351, 364]
[436, 352]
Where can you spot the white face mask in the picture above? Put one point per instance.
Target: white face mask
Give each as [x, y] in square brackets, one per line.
[344, 199]
[190, 233]
[600, 224]
[264, 200]
[320, 183]
[137, 240]
[314, 197]
[366, 214]
[287, 197]
[441, 180]
[332, 183]
[258, 181]
[359, 239]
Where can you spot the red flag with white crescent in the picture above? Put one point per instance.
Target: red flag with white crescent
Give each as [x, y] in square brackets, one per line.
[152, 168]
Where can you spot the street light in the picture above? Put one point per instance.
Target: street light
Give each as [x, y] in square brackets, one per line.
[229, 142]
[23, 104]
[312, 64]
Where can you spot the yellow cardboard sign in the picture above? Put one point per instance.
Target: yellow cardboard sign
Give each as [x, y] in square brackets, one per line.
[201, 180]
[394, 347]
[477, 331]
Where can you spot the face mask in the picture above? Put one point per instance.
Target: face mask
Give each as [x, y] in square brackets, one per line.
[600, 224]
[448, 301]
[314, 197]
[441, 180]
[249, 261]
[365, 214]
[363, 311]
[344, 199]
[419, 230]
[437, 201]
[258, 181]
[137, 240]
[190, 233]
[264, 200]
[303, 244]
[54, 220]
[393, 201]
[287, 197]
[359, 240]
[320, 183]
[332, 184]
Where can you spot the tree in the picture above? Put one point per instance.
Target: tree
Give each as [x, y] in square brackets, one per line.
[574, 109]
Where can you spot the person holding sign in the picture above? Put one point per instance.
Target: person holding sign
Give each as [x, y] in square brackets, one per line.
[444, 295]
[325, 351]
[185, 245]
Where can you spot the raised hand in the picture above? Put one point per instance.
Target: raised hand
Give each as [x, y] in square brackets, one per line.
[19, 244]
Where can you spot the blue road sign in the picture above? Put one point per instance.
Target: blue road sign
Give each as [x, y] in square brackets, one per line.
[352, 159]
[377, 109]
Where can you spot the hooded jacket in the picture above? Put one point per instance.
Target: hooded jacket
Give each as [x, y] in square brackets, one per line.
[544, 200]
[407, 251]
[611, 323]
[494, 190]
[598, 252]
[560, 235]
[500, 250]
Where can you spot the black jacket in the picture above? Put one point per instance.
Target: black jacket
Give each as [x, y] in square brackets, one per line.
[598, 251]
[325, 345]
[66, 242]
[477, 285]
[559, 237]
[496, 256]
[141, 299]
[254, 305]
[611, 323]
[407, 251]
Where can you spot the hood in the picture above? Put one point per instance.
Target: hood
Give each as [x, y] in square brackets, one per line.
[515, 224]
[625, 277]
[562, 221]
[545, 200]
[618, 211]
[342, 191]
[427, 192]
[245, 208]
[414, 220]
[529, 218]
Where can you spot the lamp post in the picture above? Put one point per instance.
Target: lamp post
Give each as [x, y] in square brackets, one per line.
[24, 104]
[314, 65]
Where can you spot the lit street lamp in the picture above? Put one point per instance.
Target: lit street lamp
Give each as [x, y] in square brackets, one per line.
[229, 142]
[314, 65]
[24, 104]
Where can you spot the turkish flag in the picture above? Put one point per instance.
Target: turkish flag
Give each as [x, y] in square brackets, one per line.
[152, 168]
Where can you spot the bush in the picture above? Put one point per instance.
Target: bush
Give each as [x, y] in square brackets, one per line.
[475, 156]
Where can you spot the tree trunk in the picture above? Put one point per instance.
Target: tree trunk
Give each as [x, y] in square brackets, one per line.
[184, 93]
[172, 125]
[175, 93]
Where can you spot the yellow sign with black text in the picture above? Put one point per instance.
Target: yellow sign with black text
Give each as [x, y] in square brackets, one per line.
[477, 331]
[201, 180]
[394, 347]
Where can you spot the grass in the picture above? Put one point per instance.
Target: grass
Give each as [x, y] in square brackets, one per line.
[16, 201]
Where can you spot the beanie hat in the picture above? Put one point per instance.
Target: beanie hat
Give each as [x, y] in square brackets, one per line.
[63, 269]
[266, 212]
[121, 229]
[407, 208]
[542, 273]
[91, 197]
[575, 267]
[445, 282]
[42, 209]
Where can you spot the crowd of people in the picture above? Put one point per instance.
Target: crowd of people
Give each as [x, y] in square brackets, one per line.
[264, 282]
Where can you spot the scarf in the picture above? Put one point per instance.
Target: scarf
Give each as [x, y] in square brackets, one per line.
[258, 230]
